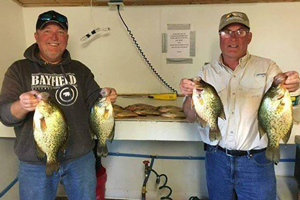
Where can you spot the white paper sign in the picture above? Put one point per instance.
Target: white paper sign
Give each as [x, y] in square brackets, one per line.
[178, 44]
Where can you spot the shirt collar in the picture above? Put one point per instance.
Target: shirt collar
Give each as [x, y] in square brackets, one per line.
[242, 60]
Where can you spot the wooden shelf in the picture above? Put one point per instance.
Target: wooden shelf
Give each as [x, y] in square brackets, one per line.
[37, 3]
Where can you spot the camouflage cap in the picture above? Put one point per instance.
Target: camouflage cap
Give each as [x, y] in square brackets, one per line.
[234, 17]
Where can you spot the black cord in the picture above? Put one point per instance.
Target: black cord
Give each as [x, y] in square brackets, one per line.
[143, 55]
[164, 186]
[158, 178]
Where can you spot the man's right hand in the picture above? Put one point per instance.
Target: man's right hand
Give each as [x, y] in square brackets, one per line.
[186, 86]
[27, 102]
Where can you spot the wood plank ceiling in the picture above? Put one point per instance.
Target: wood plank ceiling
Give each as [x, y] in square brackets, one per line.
[37, 3]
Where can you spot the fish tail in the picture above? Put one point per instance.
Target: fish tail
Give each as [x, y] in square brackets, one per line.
[51, 167]
[215, 135]
[273, 154]
[102, 150]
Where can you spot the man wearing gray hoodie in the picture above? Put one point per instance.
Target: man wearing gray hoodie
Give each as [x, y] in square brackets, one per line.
[48, 67]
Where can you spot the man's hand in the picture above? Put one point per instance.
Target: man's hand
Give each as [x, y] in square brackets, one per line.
[186, 86]
[292, 82]
[27, 102]
[111, 94]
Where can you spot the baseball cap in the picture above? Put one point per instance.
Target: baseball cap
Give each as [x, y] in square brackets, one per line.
[51, 17]
[234, 17]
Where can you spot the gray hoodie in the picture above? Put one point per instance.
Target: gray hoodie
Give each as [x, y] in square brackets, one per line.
[70, 84]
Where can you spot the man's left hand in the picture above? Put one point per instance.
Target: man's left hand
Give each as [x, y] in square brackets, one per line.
[292, 82]
[111, 94]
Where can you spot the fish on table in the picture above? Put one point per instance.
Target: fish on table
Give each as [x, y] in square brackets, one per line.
[124, 114]
[177, 114]
[140, 106]
[146, 111]
[117, 108]
[169, 108]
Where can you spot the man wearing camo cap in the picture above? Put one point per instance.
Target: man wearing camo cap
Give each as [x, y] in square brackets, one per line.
[236, 166]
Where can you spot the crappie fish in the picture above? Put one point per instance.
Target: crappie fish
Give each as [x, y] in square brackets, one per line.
[208, 107]
[125, 114]
[164, 109]
[176, 114]
[146, 111]
[275, 116]
[117, 108]
[50, 132]
[139, 106]
[102, 124]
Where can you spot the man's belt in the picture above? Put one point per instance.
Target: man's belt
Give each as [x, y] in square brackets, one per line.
[241, 153]
[238, 152]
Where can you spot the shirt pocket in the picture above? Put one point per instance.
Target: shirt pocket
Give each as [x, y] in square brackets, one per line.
[256, 82]
[250, 95]
[222, 92]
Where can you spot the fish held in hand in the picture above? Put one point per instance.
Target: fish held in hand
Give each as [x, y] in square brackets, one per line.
[275, 116]
[102, 124]
[50, 132]
[208, 107]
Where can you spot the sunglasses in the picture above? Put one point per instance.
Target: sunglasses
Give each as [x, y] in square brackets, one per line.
[54, 16]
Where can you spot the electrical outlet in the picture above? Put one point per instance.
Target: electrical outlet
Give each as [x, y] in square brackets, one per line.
[113, 3]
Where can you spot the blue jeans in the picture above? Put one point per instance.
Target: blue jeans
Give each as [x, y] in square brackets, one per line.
[251, 177]
[77, 176]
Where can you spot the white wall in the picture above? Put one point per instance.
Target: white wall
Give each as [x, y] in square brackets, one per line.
[115, 62]
[12, 40]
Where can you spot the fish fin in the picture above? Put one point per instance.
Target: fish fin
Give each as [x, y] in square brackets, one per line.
[214, 135]
[63, 147]
[261, 131]
[102, 150]
[40, 154]
[201, 121]
[106, 114]
[286, 138]
[51, 167]
[201, 101]
[43, 124]
[91, 128]
[112, 135]
[222, 115]
[92, 134]
[192, 104]
[273, 154]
